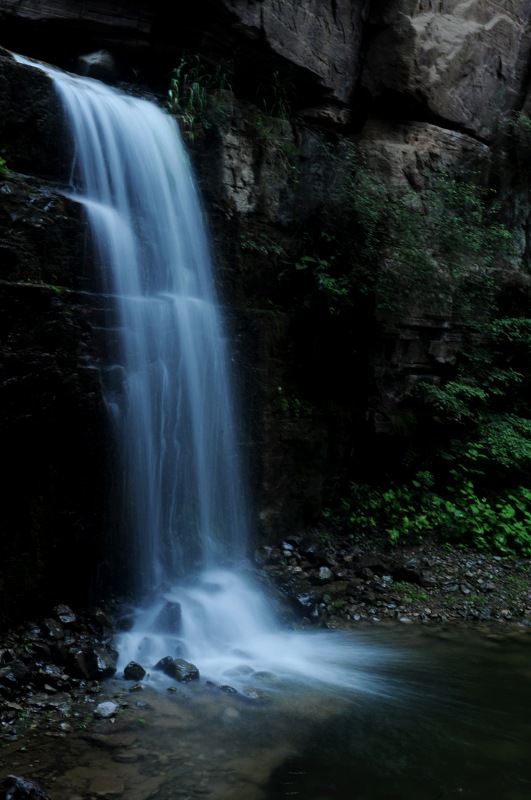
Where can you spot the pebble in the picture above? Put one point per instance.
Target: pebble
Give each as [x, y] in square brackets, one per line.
[105, 710]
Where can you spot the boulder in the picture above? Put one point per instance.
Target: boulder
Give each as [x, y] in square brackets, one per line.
[134, 671]
[100, 65]
[461, 62]
[14, 787]
[178, 669]
[105, 710]
[323, 39]
[94, 663]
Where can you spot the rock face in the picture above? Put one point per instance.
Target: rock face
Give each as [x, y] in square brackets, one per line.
[321, 38]
[52, 412]
[423, 87]
[460, 62]
[320, 41]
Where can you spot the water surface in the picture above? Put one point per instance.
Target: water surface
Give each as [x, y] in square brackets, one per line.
[453, 723]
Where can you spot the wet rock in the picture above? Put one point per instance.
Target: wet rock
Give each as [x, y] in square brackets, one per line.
[254, 695]
[62, 703]
[322, 576]
[52, 675]
[100, 619]
[178, 669]
[100, 65]
[65, 615]
[14, 675]
[366, 573]
[95, 663]
[53, 629]
[41, 651]
[134, 671]
[17, 788]
[241, 669]
[105, 710]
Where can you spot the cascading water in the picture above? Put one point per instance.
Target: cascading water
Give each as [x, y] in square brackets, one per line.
[169, 397]
[168, 392]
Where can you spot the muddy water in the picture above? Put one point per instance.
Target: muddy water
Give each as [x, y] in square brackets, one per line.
[453, 723]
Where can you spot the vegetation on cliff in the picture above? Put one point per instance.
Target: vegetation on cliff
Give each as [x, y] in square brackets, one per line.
[464, 457]
[369, 255]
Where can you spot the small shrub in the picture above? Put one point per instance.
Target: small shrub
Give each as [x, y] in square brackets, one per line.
[196, 94]
[500, 521]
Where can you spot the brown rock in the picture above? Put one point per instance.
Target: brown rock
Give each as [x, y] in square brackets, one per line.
[462, 62]
[322, 38]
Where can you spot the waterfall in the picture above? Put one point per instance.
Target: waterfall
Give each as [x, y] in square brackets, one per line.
[168, 390]
[170, 400]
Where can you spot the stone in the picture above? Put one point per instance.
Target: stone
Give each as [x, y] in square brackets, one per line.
[100, 65]
[134, 672]
[100, 619]
[105, 710]
[94, 663]
[320, 38]
[178, 669]
[14, 787]
[461, 62]
[65, 615]
[53, 629]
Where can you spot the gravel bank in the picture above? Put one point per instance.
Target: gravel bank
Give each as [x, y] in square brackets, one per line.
[335, 585]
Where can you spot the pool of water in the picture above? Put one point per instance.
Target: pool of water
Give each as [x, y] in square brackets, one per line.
[451, 722]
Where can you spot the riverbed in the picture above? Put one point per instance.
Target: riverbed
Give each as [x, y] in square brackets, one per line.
[445, 716]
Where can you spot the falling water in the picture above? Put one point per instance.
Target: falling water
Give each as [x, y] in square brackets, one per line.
[169, 397]
[168, 392]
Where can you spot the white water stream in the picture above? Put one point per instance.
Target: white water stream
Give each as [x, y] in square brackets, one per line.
[169, 396]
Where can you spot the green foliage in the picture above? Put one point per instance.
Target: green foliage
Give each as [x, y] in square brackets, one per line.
[261, 243]
[196, 94]
[335, 289]
[275, 96]
[378, 253]
[457, 513]
[435, 247]
[293, 406]
[481, 419]
[3, 168]
[408, 591]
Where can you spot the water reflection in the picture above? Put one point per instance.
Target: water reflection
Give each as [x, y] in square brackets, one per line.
[457, 727]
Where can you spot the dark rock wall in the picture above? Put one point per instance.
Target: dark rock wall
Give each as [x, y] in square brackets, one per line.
[422, 86]
[52, 420]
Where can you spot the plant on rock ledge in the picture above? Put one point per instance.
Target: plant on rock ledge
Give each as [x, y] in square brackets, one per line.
[196, 94]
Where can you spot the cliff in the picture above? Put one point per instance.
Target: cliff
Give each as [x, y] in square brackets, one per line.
[422, 90]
